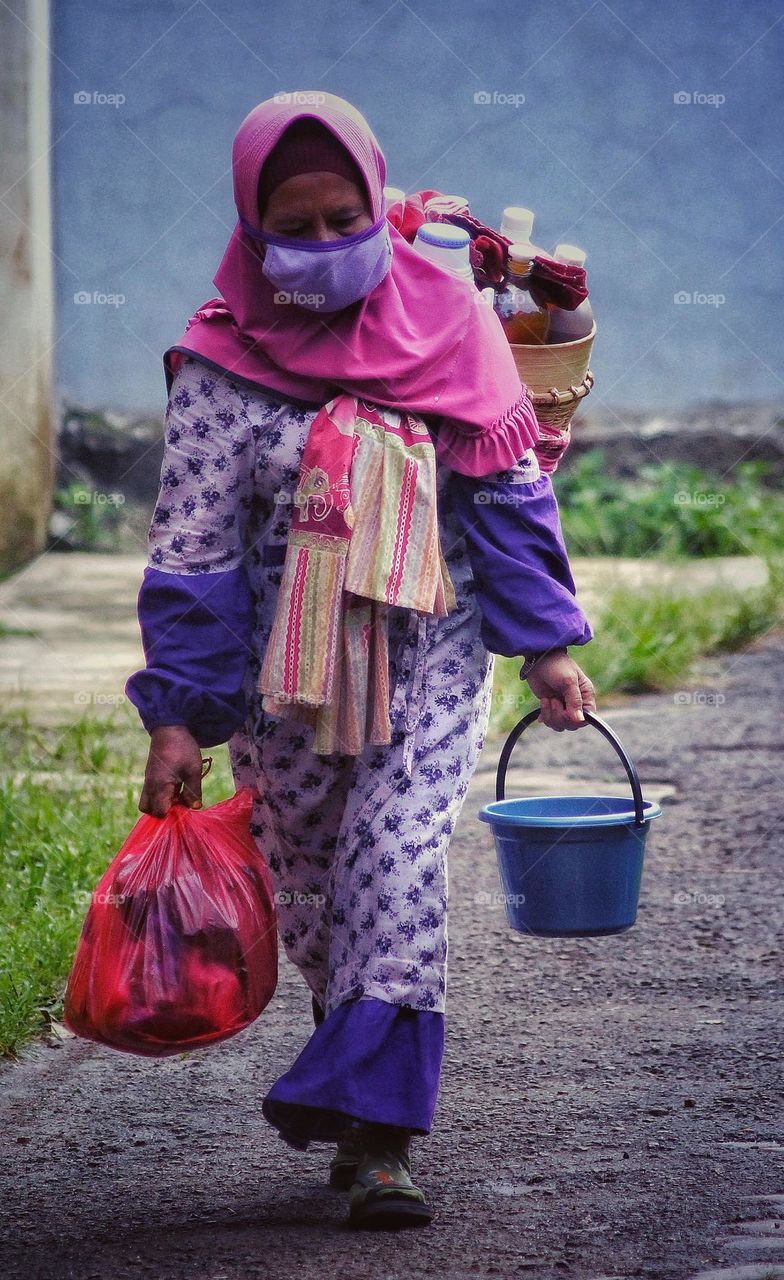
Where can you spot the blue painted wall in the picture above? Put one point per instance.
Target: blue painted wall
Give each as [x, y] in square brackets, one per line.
[667, 197]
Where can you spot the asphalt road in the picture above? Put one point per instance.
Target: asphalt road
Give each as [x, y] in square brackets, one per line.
[610, 1107]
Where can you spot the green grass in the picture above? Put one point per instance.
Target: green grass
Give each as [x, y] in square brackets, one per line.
[67, 802]
[650, 641]
[668, 510]
[97, 517]
[7, 632]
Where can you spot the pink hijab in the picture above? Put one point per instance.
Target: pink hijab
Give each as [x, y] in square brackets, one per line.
[421, 341]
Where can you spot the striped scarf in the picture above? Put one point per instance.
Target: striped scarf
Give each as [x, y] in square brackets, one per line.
[363, 537]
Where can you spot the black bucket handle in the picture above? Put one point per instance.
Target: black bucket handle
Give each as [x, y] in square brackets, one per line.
[604, 729]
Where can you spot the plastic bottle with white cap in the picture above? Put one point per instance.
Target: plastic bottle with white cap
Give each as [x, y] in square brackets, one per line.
[569, 326]
[517, 225]
[447, 247]
[393, 195]
[524, 321]
[570, 254]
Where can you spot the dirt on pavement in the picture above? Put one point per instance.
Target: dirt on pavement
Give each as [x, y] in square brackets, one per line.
[610, 1107]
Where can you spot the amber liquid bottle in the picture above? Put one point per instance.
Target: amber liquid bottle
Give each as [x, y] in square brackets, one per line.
[568, 326]
[524, 321]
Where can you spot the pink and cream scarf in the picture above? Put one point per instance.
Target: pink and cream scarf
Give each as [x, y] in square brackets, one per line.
[363, 537]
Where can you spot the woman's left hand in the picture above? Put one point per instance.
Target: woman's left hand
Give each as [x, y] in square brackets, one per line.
[563, 690]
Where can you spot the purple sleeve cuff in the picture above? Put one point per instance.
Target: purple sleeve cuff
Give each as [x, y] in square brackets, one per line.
[524, 585]
[196, 632]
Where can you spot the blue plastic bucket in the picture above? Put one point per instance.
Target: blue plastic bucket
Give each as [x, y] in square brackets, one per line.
[570, 866]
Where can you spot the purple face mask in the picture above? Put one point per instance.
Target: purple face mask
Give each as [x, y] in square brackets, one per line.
[326, 275]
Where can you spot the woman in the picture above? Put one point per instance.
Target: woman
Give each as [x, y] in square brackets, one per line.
[324, 303]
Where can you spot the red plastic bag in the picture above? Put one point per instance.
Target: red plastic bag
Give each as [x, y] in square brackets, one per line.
[179, 948]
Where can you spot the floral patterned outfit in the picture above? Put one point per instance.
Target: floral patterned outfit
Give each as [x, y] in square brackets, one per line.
[357, 845]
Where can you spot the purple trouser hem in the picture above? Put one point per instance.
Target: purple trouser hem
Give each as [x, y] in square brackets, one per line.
[368, 1062]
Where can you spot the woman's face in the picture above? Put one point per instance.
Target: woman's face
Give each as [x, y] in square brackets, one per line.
[317, 206]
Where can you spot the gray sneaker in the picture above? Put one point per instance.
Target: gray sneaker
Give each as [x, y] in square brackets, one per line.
[345, 1162]
[383, 1195]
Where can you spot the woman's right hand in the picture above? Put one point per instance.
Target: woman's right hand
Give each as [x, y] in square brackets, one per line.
[173, 772]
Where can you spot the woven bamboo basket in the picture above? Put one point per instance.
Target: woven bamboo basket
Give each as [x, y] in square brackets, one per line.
[557, 378]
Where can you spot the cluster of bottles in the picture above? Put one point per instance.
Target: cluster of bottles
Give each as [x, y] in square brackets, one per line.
[523, 319]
